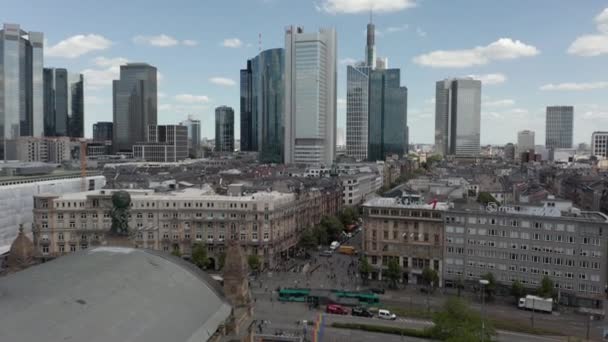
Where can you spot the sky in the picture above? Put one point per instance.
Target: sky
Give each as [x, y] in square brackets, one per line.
[528, 54]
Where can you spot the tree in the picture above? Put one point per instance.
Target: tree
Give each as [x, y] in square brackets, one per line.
[320, 234]
[364, 268]
[393, 272]
[491, 287]
[517, 290]
[332, 226]
[485, 198]
[254, 262]
[430, 277]
[456, 322]
[546, 289]
[308, 240]
[176, 253]
[199, 255]
[348, 215]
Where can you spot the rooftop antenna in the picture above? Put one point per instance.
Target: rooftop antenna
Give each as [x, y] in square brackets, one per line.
[260, 41]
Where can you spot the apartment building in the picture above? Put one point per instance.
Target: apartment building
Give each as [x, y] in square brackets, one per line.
[263, 222]
[407, 230]
[526, 243]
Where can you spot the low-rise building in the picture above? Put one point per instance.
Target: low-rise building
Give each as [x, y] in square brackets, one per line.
[166, 143]
[407, 230]
[263, 222]
[526, 243]
[357, 187]
[42, 149]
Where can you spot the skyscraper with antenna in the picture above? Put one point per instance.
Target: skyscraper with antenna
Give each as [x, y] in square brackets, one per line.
[370, 47]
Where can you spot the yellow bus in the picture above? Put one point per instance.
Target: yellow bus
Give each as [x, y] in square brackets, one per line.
[348, 250]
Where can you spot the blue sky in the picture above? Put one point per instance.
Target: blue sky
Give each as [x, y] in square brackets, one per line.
[529, 53]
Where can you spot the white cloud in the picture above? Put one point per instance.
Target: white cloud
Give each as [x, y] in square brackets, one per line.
[358, 6]
[420, 32]
[232, 43]
[348, 61]
[575, 86]
[223, 81]
[78, 45]
[591, 45]
[489, 79]
[502, 49]
[110, 62]
[189, 42]
[161, 95]
[110, 70]
[393, 29]
[161, 40]
[499, 103]
[191, 99]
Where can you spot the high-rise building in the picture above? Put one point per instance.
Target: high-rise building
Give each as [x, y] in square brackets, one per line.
[558, 127]
[63, 103]
[370, 46]
[262, 95]
[310, 96]
[357, 111]
[224, 129]
[164, 143]
[525, 142]
[102, 131]
[21, 104]
[248, 141]
[457, 117]
[135, 105]
[194, 136]
[387, 134]
[599, 144]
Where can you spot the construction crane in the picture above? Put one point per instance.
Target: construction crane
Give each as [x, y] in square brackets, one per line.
[83, 165]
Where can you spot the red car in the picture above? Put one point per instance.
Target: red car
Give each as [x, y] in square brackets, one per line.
[336, 309]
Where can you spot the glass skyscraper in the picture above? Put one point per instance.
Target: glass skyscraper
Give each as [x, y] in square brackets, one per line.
[559, 125]
[264, 89]
[21, 98]
[387, 115]
[135, 105]
[248, 141]
[458, 117]
[357, 111]
[194, 136]
[102, 131]
[310, 96]
[224, 129]
[63, 103]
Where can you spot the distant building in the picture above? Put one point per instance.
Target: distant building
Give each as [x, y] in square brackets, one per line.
[559, 125]
[458, 117]
[599, 145]
[262, 108]
[43, 149]
[224, 129]
[102, 131]
[357, 111]
[165, 143]
[21, 86]
[135, 105]
[387, 131]
[525, 142]
[509, 152]
[194, 136]
[63, 103]
[310, 96]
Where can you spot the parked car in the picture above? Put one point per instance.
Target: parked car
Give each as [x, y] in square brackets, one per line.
[326, 253]
[385, 314]
[377, 290]
[336, 309]
[361, 311]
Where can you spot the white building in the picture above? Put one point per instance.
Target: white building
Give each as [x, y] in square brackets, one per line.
[525, 142]
[310, 96]
[599, 145]
[194, 135]
[45, 149]
[357, 187]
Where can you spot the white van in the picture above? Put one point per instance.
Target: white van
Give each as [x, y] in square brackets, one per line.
[334, 245]
[385, 314]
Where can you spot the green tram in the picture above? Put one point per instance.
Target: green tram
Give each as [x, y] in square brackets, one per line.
[320, 296]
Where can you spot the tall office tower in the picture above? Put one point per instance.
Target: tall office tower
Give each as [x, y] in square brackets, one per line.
[599, 144]
[194, 136]
[267, 90]
[224, 129]
[357, 111]
[102, 131]
[21, 99]
[248, 141]
[310, 96]
[525, 142]
[457, 117]
[370, 47]
[135, 105]
[387, 134]
[558, 127]
[63, 103]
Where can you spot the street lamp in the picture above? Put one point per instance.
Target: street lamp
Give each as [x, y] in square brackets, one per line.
[483, 282]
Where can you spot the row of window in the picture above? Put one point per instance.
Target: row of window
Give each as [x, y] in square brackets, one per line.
[406, 213]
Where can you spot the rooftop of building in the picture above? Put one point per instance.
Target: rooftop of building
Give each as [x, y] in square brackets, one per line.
[111, 294]
[534, 210]
[405, 203]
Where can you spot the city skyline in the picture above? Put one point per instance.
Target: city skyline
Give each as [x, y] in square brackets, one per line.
[503, 56]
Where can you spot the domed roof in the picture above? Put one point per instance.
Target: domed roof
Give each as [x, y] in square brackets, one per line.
[22, 252]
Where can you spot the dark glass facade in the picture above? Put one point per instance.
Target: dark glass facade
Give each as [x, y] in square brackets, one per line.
[247, 129]
[135, 105]
[224, 129]
[102, 131]
[387, 115]
[63, 103]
